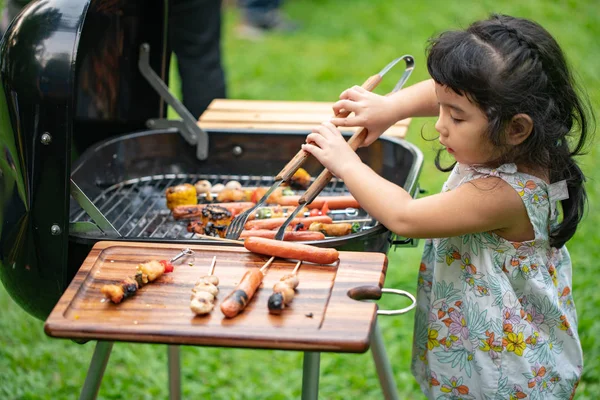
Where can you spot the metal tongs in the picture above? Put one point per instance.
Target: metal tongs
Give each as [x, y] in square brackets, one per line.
[236, 227]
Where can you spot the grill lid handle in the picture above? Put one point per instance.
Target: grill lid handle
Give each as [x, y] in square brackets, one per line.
[187, 126]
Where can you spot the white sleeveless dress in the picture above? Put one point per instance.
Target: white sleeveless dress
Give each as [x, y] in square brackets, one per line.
[495, 319]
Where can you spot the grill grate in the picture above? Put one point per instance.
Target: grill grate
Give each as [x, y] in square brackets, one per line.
[137, 207]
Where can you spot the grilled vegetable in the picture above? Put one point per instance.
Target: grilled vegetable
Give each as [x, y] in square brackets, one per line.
[229, 195]
[146, 272]
[283, 293]
[203, 295]
[215, 219]
[259, 192]
[340, 229]
[181, 195]
[204, 187]
[300, 179]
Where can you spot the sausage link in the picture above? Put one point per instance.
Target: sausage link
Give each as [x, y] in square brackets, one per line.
[290, 236]
[237, 300]
[296, 251]
[195, 211]
[272, 223]
[333, 202]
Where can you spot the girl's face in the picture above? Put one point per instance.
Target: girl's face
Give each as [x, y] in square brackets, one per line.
[462, 127]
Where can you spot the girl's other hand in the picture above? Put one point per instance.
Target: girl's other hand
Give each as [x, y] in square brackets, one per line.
[328, 146]
[371, 111]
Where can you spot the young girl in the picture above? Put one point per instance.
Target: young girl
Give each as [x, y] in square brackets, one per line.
[495, 316]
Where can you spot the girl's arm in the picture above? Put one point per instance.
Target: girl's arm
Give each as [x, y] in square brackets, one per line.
[482, 205]
[377, 113]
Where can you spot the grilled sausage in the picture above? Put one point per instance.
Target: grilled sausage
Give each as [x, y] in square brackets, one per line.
[296, 251]
[333, 202]
[273, 223]
[237, 300]
[274, 212]
[289, 236]
[195, 211]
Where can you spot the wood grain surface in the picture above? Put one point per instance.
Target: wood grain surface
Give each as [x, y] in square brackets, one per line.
[321, 318]
[276, 115]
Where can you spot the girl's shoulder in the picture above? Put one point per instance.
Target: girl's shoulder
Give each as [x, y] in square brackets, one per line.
[539, 197]
[519, 180]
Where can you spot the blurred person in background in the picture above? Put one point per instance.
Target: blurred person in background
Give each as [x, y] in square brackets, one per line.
[194, 37]
[261, 16]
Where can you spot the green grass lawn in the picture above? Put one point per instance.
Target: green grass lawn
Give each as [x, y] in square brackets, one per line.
[341, 43]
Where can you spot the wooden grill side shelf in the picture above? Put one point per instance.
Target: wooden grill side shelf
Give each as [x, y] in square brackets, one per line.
[159, 312]
[276, 115]
[322, 317]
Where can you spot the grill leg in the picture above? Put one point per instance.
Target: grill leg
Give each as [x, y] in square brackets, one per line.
[95, 372]
[310, 375]
[174, 372]
[382, 365]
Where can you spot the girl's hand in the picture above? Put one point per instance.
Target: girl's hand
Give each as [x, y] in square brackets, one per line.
[328, 146]
[372, 111]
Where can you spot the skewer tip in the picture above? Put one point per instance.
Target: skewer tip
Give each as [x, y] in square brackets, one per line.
[212, 265]
[297, 267]
[267, 264]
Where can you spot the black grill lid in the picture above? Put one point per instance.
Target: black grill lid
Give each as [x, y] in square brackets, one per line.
[69, 77]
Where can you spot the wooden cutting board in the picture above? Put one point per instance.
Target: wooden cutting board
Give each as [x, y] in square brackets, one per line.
[321, 318]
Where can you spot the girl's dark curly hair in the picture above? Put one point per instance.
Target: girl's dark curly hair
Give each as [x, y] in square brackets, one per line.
[507, 66]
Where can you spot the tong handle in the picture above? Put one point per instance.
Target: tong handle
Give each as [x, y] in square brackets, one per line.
[300, 157]
[323, 179]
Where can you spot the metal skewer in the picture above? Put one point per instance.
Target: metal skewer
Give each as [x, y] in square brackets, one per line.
[184, 252]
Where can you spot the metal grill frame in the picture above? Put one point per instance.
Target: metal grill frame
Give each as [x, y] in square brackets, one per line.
[162, 152]
[137, 207]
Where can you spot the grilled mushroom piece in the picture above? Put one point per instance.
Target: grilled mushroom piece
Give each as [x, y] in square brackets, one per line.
[204, 187]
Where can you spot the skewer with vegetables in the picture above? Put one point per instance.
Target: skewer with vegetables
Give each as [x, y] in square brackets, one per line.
[284, 291]
[204, 292]
[145, 273]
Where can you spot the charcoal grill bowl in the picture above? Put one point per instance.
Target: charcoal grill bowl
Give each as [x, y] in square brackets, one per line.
[243, 153]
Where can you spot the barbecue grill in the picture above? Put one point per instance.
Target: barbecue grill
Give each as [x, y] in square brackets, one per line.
[87, 151]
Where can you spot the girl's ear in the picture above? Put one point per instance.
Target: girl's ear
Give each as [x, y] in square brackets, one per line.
[519, 129]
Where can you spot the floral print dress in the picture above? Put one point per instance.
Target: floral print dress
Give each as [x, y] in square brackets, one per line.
[495, 319]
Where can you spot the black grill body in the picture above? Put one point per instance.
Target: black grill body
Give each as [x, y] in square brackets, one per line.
[68, 79]
[74, 111]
